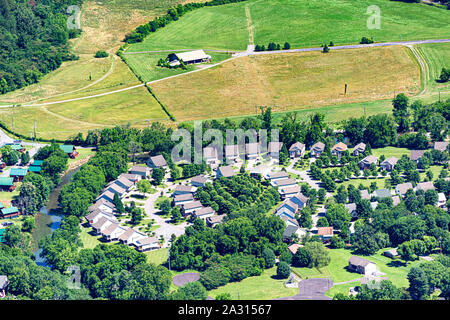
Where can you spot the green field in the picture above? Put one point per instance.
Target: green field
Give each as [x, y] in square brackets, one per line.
[436, 56]
[145, 65]
[263, 287]
[301, 23]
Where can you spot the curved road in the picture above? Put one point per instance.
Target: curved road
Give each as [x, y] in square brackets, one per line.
[249, 52]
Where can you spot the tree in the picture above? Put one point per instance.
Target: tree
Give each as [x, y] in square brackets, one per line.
[269, 258]
[400, 112]
[176, 214]
[28, 200]
[445, 75]
[158, 176]
[118, 204]
[283, 270]
[286, 46]
[136, 216]
[318, 253]
[302, 258]
[191, 291]
[380, 131]
[325, 48]
[28, 224]
[24, 157]
[418, 283]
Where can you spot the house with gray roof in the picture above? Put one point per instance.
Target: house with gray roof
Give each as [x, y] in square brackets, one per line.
[288, 192]
[367, 162]
[425, 186]
[183, 189]
[283, 183]
[402, 188]
[231, 152]
[157, 162]
[317, 149]
[389, 163]
[274, 149]
[143, 172]
[361, 265]
[297, 150]
[359, 149]
[214, 220]
[416, 155]
[441, 146]
[225, 171]
[252, 150]
[382, 193]
[199, 181]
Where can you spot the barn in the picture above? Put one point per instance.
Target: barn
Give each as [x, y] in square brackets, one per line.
[191, 57]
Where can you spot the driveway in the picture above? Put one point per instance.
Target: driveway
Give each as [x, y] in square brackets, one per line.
[312, 289]
[166, 229]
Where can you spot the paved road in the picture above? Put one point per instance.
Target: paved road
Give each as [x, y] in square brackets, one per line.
[312, 289]
[166, 229]
[248, 52]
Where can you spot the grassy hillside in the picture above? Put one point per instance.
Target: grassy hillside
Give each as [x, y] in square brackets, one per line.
[293, 81]
[436, 56]
[301, 23]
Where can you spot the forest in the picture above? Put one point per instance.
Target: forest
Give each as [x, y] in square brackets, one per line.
[33, 40]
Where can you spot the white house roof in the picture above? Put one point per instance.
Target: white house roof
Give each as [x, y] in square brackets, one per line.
[192, 55]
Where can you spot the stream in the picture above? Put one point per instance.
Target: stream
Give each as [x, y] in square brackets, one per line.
[51, 213]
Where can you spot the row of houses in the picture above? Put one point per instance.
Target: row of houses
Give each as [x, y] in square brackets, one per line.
[184, 197]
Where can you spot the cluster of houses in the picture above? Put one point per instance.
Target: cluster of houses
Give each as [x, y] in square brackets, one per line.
[184, 197]
[103, 221]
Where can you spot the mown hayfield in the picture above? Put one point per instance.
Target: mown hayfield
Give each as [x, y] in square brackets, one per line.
[301, 23]
[133, 106]
[145, 65]
[291, 81]
[436, 56]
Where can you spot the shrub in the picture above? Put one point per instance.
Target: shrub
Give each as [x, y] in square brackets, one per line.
[101, 54]
[283, 270]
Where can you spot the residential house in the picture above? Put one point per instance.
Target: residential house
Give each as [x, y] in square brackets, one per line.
[441, 146]
[338, 149]
[367, 162]
[101, 224]
[325, 233]
[351, 208]
[7, 184]
[317, 149]
[191, 207]
[210, 155]
[396, 200]
[289, 221]
[37, 162]
[297, 150]
[131, 237]
[294, 247]
[283, 183]
[183, 189]
[225, 171]
[274, 149]
[157, 162]
[113, 232]
[134, 178]
[389, 163]
[416, 155]
[259, 171]
[115, 188]
[35, 169]
[300, 200]
[382, 193]
[392, 253]
[359, 149]
[181, 199]
[199, 181]
[231, 153]
[70, 150]
[402, 188]
[18, 173]
[425, 186]
[288, 192]
[142, 171]
[8, 213]
[272, 176]
[123, 183]
[362, 266]
[289, 232]
[147, 243]
[103, 205]
[365, 194]
[96, 215]
[203, 213]
[252, 150]
[4, 282]
[106, 195]
[214, 220]
[287, 208]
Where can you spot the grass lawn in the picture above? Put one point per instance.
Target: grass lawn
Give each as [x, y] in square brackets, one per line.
[89, 241]
[436, 58]
[306, 81]
[82, 154]
[391, 152]
[157, 256]
[263, 287]
[7, 196]
[225, 27]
